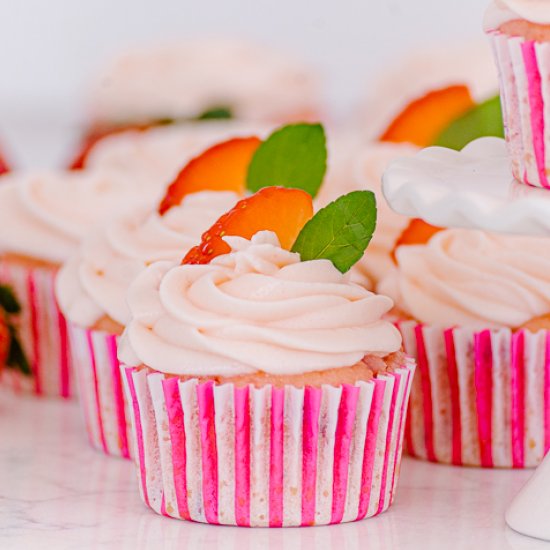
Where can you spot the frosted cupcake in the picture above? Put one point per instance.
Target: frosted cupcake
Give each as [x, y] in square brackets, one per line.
[470, 306]
[202, 80]
[91, 287]
[266, 388]
[91, 292]
[44, 217]
[520, 32]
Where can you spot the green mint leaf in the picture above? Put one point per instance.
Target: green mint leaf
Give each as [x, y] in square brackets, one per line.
[293, 156]
[8, 301]
[16, 356]
[216, 113]
[340, 232]
[482, 120]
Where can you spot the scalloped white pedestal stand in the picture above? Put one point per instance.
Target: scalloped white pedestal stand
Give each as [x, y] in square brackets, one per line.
[475, 189]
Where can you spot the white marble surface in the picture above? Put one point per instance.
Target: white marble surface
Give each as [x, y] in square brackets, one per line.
[57, 493]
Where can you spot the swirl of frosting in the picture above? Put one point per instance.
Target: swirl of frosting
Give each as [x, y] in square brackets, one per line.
[155, 156]
[502, 11]
[256, 309]
[186, 79]
[46, 215]
[93, 283]
[472, 278]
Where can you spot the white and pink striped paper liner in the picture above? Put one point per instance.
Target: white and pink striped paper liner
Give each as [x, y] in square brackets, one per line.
[480, 398]
[100, 390]
[524, 68]
[270, 457]
[42, 330]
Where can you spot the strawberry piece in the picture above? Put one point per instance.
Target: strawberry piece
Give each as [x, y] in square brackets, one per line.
[222, 167]
[5, 340]
[423, 120]
[282, 210]
[417, 232]
[3, 166]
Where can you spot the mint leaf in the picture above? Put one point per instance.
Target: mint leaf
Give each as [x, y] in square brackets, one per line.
[16, 356]
[216, 113]
[293, 156]
[482, 120]
[340, 232]
[8, 301]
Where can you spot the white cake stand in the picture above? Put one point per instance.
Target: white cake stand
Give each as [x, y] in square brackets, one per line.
[475, 189]
[472, 188]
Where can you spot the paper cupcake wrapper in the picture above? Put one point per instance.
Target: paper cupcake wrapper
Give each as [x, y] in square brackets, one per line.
[100, 389]
[267, 457]
[480, 398]
[524, 69]
[42, 330]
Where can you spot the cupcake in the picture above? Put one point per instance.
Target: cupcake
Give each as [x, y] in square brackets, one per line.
[201, 80]
[417, 98]
[520, 32]
[91, 292]
[266, 389]
[91, 287]
[44, 217]
[474, 310]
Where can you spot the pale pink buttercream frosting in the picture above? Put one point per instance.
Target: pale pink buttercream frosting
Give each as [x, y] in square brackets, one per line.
[46, 215]
[474, 279]
[155, 156]
[186, 79]
[502, 11]
[93, 283]
[256, 309]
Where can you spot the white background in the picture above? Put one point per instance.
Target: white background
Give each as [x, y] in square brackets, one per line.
[50, 49]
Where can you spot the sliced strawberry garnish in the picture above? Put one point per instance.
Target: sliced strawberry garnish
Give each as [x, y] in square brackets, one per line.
[222, 167]
[282, 210]
[417, 232]
[3, 166]
[5, 339]
[423, 120]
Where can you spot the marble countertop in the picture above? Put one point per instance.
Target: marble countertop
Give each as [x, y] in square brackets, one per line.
[56, 492]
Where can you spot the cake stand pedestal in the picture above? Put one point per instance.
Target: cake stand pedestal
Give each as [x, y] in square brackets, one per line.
[475, 189]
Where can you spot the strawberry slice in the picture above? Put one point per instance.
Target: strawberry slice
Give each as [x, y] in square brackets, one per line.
[222, 167]
[423, 120]
[280, 209]
[3, 166]
[417, 232]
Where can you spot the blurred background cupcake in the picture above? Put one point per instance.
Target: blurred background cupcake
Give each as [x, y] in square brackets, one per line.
[44, 217]
[201, 79]
[474, 310]
[520, 32]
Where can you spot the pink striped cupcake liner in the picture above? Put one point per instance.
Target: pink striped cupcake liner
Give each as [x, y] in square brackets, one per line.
[42, 330]
[100, 389]
[480, 398]
[267, 457]
[524, 68]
